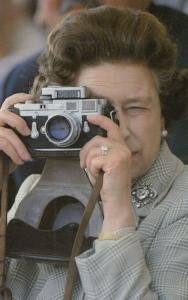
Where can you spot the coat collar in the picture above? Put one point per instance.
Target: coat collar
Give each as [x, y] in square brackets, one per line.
[149, 190]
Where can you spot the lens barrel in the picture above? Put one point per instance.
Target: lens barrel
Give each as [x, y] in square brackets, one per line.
[62, 130]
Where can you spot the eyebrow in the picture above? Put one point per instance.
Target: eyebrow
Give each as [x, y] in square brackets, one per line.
[137, 100]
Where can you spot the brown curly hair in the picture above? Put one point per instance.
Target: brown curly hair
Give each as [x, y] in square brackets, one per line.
[107, 34]
[175, 99]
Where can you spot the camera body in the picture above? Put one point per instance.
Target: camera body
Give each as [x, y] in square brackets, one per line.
[58, 121]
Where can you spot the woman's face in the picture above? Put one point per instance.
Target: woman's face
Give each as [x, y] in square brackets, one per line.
[132, 90]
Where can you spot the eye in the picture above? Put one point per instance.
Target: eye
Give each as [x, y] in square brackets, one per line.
[134, 109]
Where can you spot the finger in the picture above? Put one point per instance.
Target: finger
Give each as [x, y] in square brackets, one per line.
[16, 98]
[94, 152]
[113, 130]
[95, 142]
[92, 179]
[14, 121]
[9, 150]
[96, 164]
[12, 140]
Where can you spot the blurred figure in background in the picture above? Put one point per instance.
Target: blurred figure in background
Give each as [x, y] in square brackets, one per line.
[19, 37]
[49, 12]
[5, 27]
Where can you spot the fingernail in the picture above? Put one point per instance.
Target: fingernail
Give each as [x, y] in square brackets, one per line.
[30, 159]
[27, 157]
[89, 117]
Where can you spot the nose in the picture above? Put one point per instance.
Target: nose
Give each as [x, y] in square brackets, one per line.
[125, 131]
[124, 126]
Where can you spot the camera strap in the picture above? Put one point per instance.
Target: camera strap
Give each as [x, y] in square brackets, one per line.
[79, 237]
[5, 292]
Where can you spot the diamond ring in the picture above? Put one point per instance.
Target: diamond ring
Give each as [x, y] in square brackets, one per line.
[104, 150]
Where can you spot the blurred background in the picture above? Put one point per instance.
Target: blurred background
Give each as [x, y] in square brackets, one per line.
[20, 35]
[181, 5]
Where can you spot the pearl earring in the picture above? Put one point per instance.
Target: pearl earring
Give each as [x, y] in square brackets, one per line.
[164, 133]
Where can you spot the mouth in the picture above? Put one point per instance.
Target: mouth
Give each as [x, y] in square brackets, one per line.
[134, 153]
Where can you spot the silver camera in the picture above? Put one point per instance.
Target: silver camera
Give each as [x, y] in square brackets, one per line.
[58, 121]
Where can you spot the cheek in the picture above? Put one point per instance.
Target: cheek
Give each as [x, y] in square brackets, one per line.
[148, 136]
[152, 134]
[148, 151]
[147, 128]
[151, 144]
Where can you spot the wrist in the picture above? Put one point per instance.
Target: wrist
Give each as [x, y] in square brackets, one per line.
[116, 222]
[117, 234]
[117, 216]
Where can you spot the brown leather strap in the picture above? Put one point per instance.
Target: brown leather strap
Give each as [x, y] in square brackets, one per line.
[79, 237]
[4, 291]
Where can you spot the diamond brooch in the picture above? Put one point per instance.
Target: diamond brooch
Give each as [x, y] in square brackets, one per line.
[143, 195]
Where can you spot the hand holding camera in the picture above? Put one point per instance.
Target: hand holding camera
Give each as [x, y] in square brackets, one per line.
[116, 165]
[10, 143]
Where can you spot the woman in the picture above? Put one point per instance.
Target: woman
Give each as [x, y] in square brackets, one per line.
[128, 58]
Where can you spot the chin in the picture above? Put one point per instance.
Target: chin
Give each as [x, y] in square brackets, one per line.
[135, 174]
[138, 170]
[139, 165]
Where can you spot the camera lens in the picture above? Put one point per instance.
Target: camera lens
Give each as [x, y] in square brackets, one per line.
[58, 128]
[62, 130]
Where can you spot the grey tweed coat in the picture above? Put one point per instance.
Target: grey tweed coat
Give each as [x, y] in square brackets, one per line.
[148, 263]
